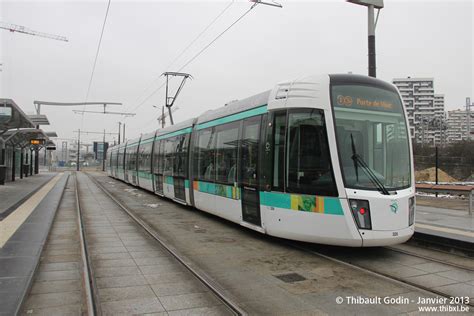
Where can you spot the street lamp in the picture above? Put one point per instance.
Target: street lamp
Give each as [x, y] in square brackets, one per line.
[371, 5]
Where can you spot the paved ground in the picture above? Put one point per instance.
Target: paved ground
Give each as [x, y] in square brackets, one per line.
[57, 287]
[446, 223]
[133, 273]
[437, 276]
[22, 237]
[444, 218]
[14, 192]
[265, 276]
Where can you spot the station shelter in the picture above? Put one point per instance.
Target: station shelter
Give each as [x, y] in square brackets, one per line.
[20, 142]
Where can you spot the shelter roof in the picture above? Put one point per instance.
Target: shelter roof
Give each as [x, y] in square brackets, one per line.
[39, 119]
[22, 137]
[12, 116]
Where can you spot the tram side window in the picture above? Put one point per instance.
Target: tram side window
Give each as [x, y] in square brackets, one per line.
[169, 153]
[205, 164]
[113, 157]
[145, 157]
[161, 157]
[120, 159]
[227, 139]
[127, 158]
[130, 160]
[156, 156]
[126, 155]
[140, 156]
[308, 162]
[181, 159]
[279, 127]
[249, 151]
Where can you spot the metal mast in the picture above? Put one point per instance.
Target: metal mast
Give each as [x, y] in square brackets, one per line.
[169, 100]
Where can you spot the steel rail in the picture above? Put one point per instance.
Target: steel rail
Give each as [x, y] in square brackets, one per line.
[229, 303]
[385, 276]
[89, 283]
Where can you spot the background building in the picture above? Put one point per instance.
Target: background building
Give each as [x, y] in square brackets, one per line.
[457, 126]
[425, 109]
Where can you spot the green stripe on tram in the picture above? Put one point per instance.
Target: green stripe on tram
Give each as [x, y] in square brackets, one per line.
[234, 117]
[146, 141]
[144, 175]
[176, 133]
[169, 180]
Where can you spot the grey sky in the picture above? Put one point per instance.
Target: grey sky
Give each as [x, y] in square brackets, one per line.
[414, 38]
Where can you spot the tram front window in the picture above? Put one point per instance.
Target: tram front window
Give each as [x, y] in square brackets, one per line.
[372, 137]
[308, 161]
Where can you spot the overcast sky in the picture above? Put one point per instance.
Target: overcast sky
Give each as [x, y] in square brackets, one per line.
[269, 45]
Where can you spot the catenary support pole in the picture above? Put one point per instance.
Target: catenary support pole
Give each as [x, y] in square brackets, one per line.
[31, 161]
[78, 148]
[371, 41]
[25, 170]
[21, 163]
[436, 166]
[103, 152]
[36, 161]
[13, 163]
[120, 126]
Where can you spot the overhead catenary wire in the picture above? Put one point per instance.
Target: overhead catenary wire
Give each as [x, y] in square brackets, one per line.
[198, 54]
[187, 47]
[95, 59]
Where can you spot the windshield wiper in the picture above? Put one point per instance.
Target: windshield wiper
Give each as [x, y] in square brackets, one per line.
[358, 160]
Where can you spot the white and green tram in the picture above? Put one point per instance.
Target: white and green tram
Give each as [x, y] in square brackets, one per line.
[324, 159]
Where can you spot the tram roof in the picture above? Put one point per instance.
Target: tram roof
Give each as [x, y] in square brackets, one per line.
[176, 127]
[361, 79]
[235, 107]
[148, 135]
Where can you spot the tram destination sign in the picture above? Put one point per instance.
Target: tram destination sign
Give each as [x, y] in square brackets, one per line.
[366, 98]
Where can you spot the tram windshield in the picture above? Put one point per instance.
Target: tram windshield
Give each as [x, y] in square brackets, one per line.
[372, 137]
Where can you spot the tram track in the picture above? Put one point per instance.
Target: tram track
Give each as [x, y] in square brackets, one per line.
[384, 275]
[186, 263]
[88, 279]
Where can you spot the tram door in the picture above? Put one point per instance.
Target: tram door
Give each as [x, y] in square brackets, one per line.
[249, 147]
[180, 163]
[158, 165]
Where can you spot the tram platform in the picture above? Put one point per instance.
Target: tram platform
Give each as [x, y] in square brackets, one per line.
[448, 228]
[13, 194]
[27, 211]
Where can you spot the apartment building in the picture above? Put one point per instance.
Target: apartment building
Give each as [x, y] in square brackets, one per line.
[425, 109]
[457, 126]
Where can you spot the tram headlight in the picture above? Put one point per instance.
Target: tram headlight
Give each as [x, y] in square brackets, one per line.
[411, 211]
[361, 212]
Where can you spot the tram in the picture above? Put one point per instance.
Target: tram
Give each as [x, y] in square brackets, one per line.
[324, 159]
